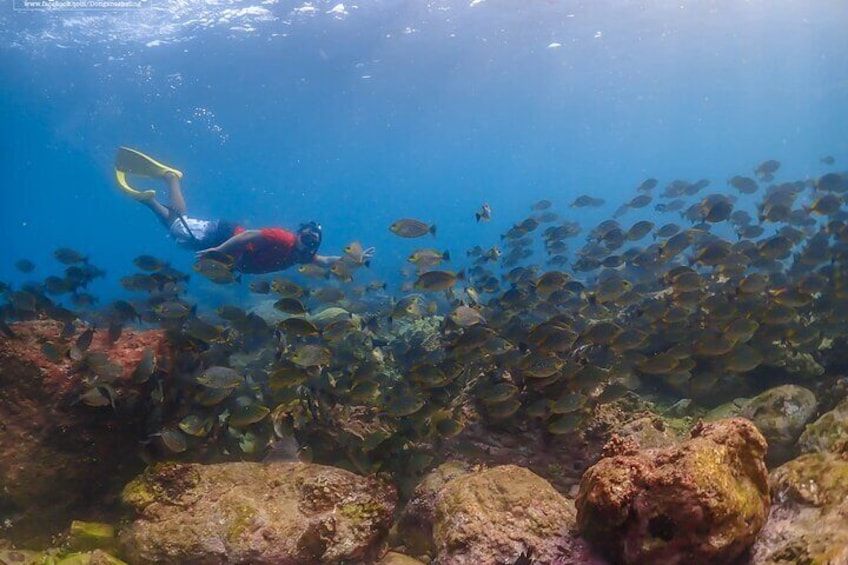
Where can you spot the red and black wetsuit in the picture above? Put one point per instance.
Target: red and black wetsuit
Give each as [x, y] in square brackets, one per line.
[274, 251]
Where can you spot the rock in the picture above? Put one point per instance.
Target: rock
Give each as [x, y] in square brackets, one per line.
[730, 409]
[57, 557]
[277, 513]
[87, 536]
[60, 459]
[393, 558]
[702, 501]
[780, 414]
[828, 433]
[495, 515]
[807, 523]
[415, 526]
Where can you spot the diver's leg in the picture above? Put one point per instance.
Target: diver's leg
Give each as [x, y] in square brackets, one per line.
[159, 210]
[176, 201]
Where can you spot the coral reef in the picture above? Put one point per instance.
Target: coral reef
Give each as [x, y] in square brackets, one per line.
[701, 501]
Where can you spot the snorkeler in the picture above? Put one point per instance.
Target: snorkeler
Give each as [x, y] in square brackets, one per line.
[255, 251]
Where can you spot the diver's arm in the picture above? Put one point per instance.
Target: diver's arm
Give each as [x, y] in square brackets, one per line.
[235, 243]
[325, 260]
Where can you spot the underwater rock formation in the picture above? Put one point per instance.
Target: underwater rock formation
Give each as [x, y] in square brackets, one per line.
[807, 523]
[277, 513]
[828, 433]
[495, 515]
[394, 558]
[60, 457]
[415, 526]
[780, 414]
[702, 501]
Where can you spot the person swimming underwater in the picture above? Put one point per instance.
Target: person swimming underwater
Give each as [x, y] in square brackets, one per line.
[255, 251]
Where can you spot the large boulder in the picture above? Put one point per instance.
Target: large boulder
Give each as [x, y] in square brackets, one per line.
[703, 501]
[60, 459]
[828, 433]
[415, 526]
[276, 513]
[809, 521]
[498, 514]
[780, 414]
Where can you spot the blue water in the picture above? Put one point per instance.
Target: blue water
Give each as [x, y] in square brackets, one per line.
[281, 112]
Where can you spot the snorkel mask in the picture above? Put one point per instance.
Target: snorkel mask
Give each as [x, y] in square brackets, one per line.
[309, 236]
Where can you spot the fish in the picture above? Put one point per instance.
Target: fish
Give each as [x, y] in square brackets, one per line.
[148, 263]
[291, 306]
[25, 266]
[435, 281]
[412, 228]
[745, 185]
[585, 200]
[259, 286]
[425, 258]
[310, 355]
[484, 214]
[765, 170]
[216, 271]
[465, 316]
[219, 377]
[68, 256]
[356, 254]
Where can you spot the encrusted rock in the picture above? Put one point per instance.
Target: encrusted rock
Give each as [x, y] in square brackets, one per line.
[393, 558]
[700, 502]
[495, 515]
[828, 433]
[58, 456]
[780, 414]
[277, 513]
[808, 522]
[415, 527]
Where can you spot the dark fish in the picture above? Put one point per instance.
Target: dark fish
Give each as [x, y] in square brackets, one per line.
[259, 286]
[541, 205]
[586, 200]
[68, 256]
[827, 160]
[25, 265]
[745, 185]
[115, 331]
[84, 340]
[434, 281]
[148, 263]
[765, 170]
[648, 185]
[411, 228]
[290, 306]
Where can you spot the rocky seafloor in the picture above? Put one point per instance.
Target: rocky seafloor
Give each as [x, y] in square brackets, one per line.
[756, 481]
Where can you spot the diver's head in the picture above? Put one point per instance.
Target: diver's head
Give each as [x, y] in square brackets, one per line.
[309, 238]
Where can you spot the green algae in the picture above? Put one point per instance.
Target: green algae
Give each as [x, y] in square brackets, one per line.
[163, 483]
[361, 512]
[241, 518]
[88, 536]
[817, 479]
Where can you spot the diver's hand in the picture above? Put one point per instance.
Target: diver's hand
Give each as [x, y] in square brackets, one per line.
[204, 252]
[368, 253]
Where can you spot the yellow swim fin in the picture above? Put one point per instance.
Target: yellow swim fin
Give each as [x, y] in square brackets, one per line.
[134, 162]
[130, 191]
